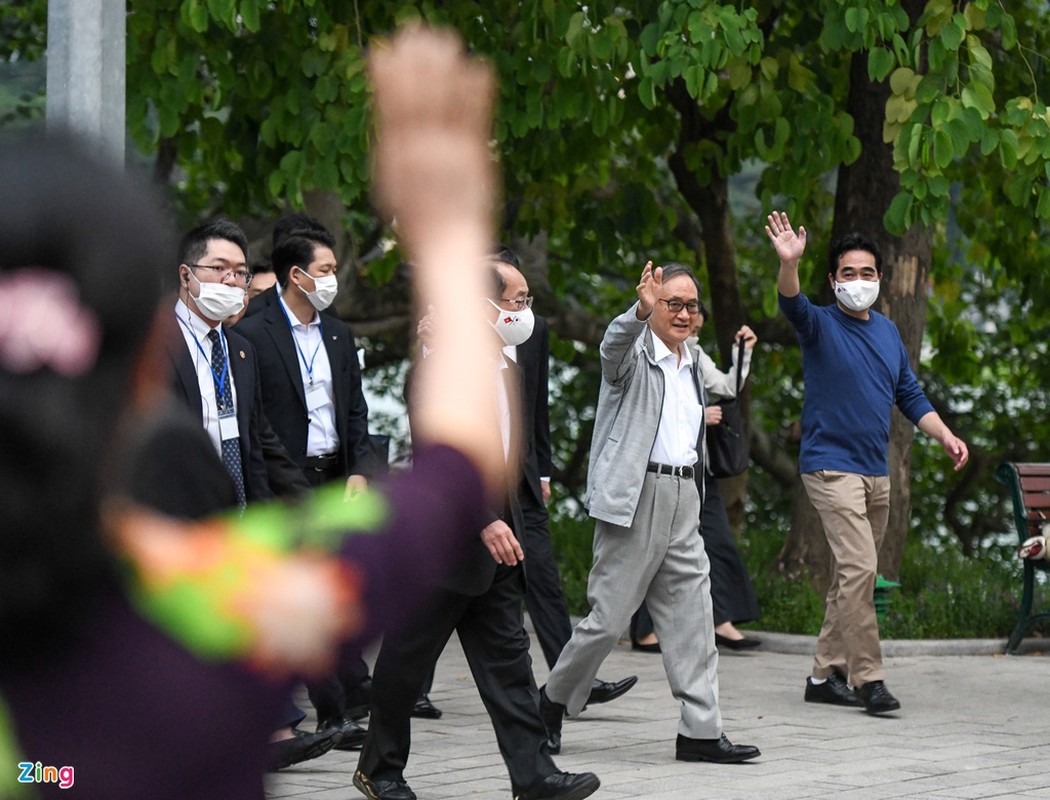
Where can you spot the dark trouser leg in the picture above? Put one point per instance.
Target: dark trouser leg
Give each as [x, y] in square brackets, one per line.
[401, 667]
[732, 594]
[544, 596]
[641, 623]
[497, 649]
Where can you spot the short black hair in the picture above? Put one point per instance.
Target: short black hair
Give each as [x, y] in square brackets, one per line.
[290, 223]
[261, 268]
[496, 284]
[195, 243]
[852, 241]
[503, 254]
[297, 250]
[672, 269]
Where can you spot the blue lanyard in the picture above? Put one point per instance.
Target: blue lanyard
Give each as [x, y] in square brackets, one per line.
[308, 364]
[218, 377]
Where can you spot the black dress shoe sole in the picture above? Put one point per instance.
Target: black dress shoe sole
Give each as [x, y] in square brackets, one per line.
[427, 711]
[736, 644]
[354, 742]
[584, 786]
[887, 709]
[835, 701]
[598, 696]
[291, 758]
[719, 759]
[646, 648]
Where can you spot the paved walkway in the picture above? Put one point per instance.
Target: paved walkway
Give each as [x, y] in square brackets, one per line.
[971, 726]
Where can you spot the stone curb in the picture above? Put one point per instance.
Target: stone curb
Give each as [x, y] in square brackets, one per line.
[798, 644]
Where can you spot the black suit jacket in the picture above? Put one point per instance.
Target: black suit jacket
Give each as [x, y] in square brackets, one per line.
[533, 359]
[476, 568]
[245, 376]
[283, 394]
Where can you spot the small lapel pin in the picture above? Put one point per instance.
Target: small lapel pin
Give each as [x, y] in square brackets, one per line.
[334, 337]
[242, 354]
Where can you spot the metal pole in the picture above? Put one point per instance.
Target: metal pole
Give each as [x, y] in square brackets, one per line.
[85, 71]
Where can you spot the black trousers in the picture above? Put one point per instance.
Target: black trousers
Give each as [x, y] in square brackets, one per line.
[544, 596]
[490, 628]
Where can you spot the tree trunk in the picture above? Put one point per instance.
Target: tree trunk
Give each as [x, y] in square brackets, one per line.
[863, 194]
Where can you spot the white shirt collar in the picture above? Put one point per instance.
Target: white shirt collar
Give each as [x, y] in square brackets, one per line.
[291, 314]
[198, 326]
[661, 351]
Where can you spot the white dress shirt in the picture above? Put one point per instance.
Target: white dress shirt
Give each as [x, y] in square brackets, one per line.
[315, 371]
[195, 333]
[681, 413]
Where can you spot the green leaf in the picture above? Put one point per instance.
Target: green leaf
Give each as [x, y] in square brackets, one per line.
[943, 148]
[649, 38]
[250, 15]
[880, 62]
[901, 81]
[979, 96]
[898, 215]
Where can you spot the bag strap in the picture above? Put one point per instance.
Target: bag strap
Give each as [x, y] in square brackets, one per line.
[739, 364]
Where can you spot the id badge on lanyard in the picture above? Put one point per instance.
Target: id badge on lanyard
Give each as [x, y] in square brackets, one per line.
[316, 396]
[228, 428]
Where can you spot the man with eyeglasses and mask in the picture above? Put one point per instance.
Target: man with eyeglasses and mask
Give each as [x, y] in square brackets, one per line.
[481, 601]
[644, 499]
[215, 372]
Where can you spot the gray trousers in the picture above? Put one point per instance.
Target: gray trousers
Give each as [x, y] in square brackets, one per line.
[660, 558]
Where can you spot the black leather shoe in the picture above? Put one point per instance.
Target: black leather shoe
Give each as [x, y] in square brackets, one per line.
[562, 786]
[348, 735]
[424, 709]
[302, 746]
[552, 714]
[653, 647]
[834, 690]
[720, 750]
[604, 691]
[877, 698]
[382, 790]
[736, 644]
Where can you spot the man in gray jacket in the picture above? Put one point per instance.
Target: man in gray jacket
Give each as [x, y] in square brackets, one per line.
[641, 492]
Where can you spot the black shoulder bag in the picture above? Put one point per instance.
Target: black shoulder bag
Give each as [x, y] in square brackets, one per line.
[727, 450]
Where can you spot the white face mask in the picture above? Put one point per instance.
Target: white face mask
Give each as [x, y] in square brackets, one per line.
[857, 295]
[513, 327]
[324, 292]
[217, 301]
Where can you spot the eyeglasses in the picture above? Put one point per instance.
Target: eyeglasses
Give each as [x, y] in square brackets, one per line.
[519, 303]
[241, 276]
[675, 306]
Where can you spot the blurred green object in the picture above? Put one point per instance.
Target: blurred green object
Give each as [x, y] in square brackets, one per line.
[883, 587]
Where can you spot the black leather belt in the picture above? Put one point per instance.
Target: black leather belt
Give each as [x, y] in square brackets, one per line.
[321, 463]
[667, 469]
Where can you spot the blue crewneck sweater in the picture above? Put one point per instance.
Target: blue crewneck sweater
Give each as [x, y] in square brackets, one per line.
[854, 371]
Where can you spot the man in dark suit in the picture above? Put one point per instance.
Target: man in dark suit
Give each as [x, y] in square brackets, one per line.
[313, 398]
[215, 371]
[482, 602]
[544, 596]
[216, 375]
[311, 378]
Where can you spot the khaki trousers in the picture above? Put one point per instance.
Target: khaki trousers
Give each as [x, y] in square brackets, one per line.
[853, 510]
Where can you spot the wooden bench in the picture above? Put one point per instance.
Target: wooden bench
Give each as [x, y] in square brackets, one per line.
[1029, 486]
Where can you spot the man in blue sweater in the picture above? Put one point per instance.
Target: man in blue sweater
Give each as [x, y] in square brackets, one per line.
[855, 369]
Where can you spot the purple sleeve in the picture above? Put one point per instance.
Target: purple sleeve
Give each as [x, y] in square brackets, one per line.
[437, 508]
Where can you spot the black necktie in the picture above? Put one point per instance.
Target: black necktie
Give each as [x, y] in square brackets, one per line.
[231, 448]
